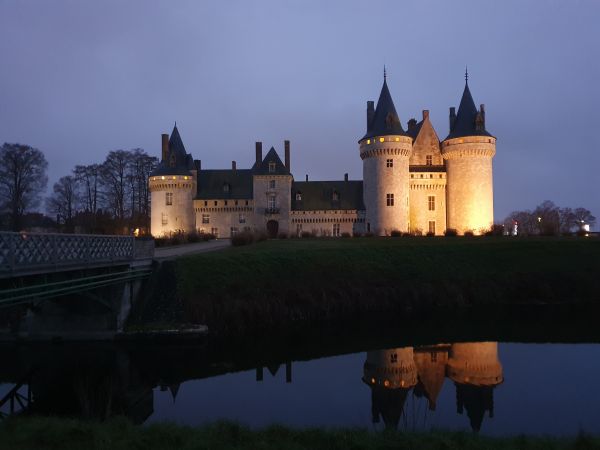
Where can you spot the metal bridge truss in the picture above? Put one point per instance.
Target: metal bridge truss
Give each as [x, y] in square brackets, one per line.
[15, 401]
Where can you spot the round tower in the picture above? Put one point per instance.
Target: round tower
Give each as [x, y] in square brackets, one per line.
[468, 151]
[172, 188]
[385, 150]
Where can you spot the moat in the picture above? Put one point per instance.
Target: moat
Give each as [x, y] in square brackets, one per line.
[499, 388]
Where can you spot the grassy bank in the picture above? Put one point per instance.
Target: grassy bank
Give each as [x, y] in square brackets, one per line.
[117, 434]
[279, 283]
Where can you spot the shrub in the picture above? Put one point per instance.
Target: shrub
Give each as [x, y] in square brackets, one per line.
[306, 234]
[282, 236]
[368, 234]
[207, 236]
[194, 237]
[468, 233]
[495, 230]
[417, 232]
[450, 232]
[345, 234]
[242, 238]
[407, 234]
[357, 234]
[395, 233]
[430, 234]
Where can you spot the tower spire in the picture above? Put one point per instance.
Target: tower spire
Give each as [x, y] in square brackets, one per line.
[466, 75]
[384, 73]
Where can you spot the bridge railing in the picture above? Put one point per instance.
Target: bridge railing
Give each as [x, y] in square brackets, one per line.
[23, 252]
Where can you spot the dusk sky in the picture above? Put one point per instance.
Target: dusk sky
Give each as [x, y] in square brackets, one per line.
[80, 78]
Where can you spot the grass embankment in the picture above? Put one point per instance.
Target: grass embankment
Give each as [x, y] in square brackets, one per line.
[282, 282]
[119, 434]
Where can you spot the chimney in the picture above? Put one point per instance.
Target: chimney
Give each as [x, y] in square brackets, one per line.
[482, 110]
[370, 113]
[306, 177]
[425, 114]
[345, 177]
[233, 165]
[198, 164]
[286, 144]
[165, 146]
[258, 152]
[452, 117]
[412, 124]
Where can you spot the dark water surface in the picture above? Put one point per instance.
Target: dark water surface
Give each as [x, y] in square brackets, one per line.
[497, 388]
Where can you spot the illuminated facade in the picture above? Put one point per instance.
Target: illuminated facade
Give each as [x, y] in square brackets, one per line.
[411, 183]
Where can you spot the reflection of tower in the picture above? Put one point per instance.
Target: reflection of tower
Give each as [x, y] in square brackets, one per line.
[273, 369]
[475, 370]
[431, 367]
[390, 374]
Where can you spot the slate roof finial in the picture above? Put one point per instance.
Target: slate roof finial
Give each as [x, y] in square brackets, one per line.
[384, 73]
[466, 74]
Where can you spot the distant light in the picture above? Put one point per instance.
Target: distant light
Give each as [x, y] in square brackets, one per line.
[381, 139]
[397, 139]
[368, 141]
[162, 178]
[386, 383]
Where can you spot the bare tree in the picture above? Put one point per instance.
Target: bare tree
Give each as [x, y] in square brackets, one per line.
[114, 172]
[22, 180]
[64, 200]
[582, 216]
[141, 166]
[548, 218]
[88, 181]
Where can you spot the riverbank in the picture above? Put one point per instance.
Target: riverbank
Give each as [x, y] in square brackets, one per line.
[117, 434]
[283, 283]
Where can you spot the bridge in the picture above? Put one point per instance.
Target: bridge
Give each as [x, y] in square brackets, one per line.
[38, 267]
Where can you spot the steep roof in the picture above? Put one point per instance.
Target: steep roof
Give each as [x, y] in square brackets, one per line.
[414, 131]
[464, 125]
[224, 184]
[385, 120]
[263, 167]
[178, 161]
[318, 195]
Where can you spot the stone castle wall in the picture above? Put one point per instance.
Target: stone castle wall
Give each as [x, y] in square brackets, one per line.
[177, 216]
[422, 186]
[379, 180]
[282, 192]
[470, 192]
[323, 223]
[222, 217]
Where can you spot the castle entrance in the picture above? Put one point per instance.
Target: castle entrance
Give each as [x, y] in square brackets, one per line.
[272, 228]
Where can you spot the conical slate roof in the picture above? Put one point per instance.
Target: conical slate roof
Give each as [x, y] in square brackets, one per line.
[385, 120]
[465, 123]
[178, 161]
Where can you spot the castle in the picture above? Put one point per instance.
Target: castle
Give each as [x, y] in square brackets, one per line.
[412, 182]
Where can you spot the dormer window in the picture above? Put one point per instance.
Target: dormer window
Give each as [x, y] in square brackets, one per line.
[226, 187]
[172, 160]
[298, 196]
[272, 166]
[335, 196]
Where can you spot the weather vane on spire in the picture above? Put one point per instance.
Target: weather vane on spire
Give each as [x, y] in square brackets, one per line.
[466, 75]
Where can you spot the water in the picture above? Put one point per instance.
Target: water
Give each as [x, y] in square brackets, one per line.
[497, 388]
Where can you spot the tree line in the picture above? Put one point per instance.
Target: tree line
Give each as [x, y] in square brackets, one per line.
[107, 197]
[549, 219]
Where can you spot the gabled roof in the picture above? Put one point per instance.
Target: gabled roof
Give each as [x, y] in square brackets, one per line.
[178, 161]
[385, 120]
[263, 167]
[318, 195]
[464, 125]
[224, 184]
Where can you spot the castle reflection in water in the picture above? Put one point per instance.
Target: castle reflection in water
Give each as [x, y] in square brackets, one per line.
[106, 382]
[474, 369]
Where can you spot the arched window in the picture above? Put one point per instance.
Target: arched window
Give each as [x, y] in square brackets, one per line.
[335, 196]
[298, 196]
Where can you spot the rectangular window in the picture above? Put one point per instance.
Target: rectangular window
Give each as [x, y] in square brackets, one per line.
[272, 167]
[432, 226]
[389, 199]
[225, 202]
[429, 160]
[205, 203]
[242, 218]
[233, 231]
[205, 218]
[298, 229]
[389, 163]
[169, 198]
[431, 203]
[271, 184]
[271, 202]
[165, 219]
[214, 231]
[336, 230]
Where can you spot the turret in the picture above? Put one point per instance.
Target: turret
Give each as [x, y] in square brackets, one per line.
[385, 150]
[475, 369]
[172, 188]
[390, 374]
[468, 151]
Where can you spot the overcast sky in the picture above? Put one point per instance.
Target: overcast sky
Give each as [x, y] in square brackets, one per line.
[79, 78]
